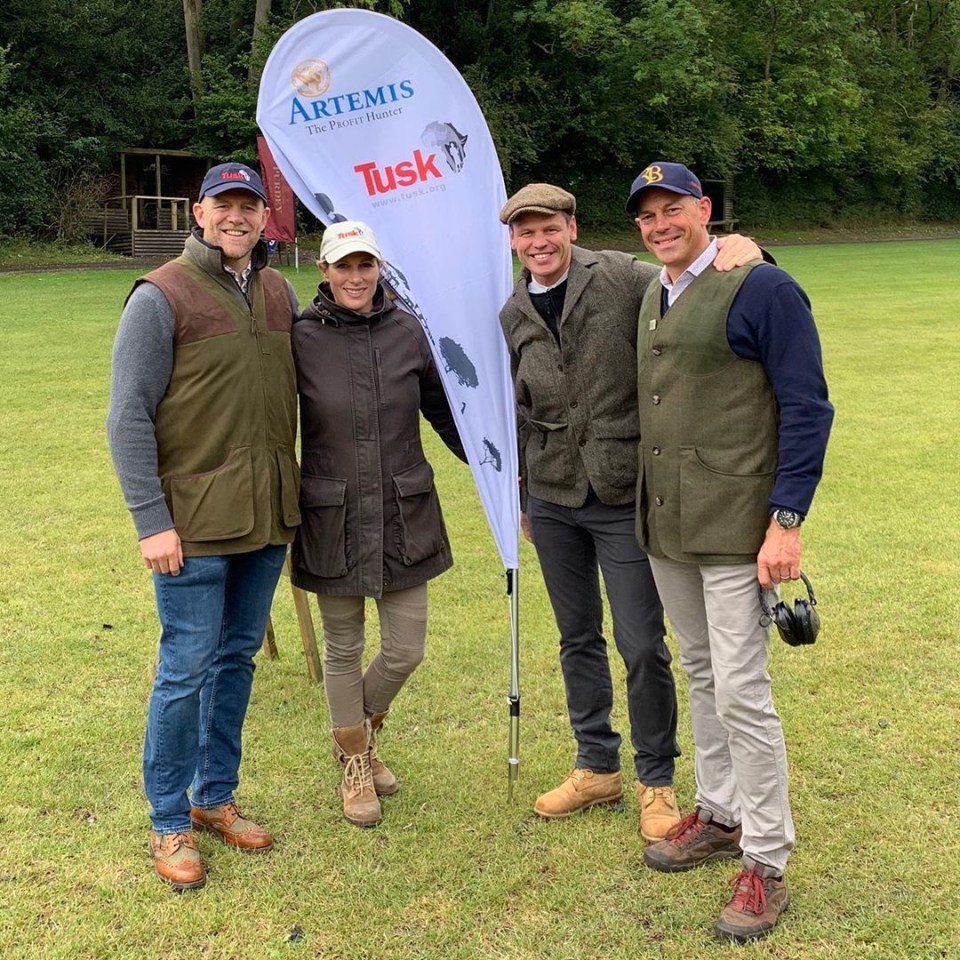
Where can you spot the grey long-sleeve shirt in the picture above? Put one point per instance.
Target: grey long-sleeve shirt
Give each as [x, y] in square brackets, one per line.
[141, 369]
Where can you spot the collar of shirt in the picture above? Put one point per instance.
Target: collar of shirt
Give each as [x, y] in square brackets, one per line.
[243, 279]
[534, 287]
[690, 274]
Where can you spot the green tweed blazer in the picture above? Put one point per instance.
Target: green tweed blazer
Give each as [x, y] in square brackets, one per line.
[577, 414]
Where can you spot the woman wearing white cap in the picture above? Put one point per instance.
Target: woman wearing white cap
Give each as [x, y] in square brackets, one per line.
[372, 525]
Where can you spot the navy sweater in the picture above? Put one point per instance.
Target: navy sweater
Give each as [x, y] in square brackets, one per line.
[770, 321]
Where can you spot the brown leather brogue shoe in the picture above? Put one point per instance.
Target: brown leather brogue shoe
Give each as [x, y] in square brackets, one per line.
[755, 907]
[694, 841]
[177, 860]
[232, 827]
[659, 812]
[580, 790]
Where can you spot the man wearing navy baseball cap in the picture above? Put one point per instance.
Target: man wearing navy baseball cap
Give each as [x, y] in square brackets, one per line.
[202, 428]
[734, 421]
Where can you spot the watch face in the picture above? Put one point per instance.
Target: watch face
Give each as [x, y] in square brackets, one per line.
[787, 518]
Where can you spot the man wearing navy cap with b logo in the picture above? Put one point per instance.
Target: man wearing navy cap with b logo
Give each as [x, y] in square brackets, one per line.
[202, 428]
[734, 421]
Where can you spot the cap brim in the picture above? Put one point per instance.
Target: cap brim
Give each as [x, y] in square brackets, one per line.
[344, 251]
[546, 211]
[233, 185]
[632, 202]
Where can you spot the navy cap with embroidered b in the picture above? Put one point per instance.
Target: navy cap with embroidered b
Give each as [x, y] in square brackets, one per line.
[232, 176]
[674, 177]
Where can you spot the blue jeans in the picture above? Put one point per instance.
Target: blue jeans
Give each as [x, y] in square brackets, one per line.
[213, 616]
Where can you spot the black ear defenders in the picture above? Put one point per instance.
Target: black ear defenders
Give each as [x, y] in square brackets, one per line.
[798, 626]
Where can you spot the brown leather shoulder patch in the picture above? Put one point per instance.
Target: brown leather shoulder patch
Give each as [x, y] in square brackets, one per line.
[277, 300]
[197, 314]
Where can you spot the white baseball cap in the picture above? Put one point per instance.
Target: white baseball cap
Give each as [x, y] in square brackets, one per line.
[346, 237]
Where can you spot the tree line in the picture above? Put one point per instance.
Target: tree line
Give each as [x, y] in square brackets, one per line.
[819, 108]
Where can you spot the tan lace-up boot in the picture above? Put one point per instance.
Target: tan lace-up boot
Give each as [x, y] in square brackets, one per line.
[361, 806]
[658, 811]
[384, 782]
[580, 790]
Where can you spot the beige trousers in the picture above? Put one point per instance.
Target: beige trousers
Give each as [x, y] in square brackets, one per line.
[740, 755]
[353, 693]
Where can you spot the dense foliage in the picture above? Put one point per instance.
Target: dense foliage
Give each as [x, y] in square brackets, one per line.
[819, 107]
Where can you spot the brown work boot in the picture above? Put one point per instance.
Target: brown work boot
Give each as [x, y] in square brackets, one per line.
[755, 907]
[658, 811]
[177, 860]
[693, 842]
[361, 806]
[384, 782]
[232, 827]
[580, 790]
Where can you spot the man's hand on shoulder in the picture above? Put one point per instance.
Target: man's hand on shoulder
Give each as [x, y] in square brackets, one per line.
[162, 553]
[735, 251]
[779, 557]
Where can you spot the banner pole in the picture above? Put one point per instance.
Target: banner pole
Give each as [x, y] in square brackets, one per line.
[513, 700]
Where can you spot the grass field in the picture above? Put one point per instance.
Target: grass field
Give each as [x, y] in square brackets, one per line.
[871, 712]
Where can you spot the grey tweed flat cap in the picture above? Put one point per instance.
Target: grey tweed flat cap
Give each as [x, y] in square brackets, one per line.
[538, 198]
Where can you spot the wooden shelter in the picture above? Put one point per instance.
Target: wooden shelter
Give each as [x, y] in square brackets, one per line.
[721, 194]
[151, 215]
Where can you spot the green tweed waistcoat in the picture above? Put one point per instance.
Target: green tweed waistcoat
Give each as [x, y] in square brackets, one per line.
[708, 428]
[226, 427]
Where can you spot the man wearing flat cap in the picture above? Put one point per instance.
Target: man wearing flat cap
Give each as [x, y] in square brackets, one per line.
[734, 421]
[571, 328]
[202, 428]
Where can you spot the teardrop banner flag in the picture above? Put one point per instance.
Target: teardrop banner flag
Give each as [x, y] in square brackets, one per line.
[282, 225]
[369, 121]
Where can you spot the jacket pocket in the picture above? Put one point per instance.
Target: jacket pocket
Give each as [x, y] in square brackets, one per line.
[322, 539]
[418, 532]
[289, 487]
[216, 505]
[720, 512]
[615, 451]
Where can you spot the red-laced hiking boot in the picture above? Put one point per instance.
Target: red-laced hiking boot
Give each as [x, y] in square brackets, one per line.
[755, 907]
[177, 860]
[232, 827]
[693, 842]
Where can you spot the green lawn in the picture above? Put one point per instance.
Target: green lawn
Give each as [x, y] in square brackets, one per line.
[871, 712]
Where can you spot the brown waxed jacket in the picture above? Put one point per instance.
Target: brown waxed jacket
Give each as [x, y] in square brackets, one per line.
[577, 401]
[372, 522]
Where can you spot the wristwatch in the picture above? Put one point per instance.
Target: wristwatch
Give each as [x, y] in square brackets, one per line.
[786, 519]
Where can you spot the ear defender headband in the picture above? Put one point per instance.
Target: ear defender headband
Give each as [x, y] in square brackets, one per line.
[798, 626]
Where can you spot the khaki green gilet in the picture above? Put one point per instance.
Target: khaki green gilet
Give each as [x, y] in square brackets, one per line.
[708, 429]
[226, 427]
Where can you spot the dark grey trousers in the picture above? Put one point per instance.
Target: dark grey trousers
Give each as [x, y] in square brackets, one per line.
[571, 543]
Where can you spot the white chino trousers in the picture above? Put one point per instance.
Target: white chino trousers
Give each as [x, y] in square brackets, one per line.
[740, 755]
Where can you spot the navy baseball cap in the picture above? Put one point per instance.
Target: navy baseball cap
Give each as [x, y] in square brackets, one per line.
[232, 176]
[674, 177]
